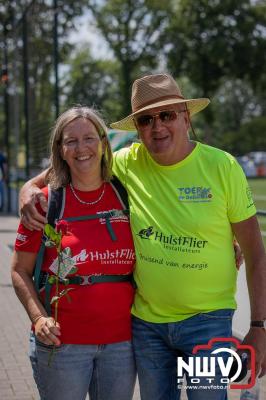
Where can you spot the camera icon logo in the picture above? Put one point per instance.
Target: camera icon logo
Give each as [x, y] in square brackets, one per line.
[236, 368]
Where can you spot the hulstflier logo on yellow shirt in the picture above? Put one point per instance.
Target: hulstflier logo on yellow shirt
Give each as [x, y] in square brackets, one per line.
[146, 233]
[188, 244]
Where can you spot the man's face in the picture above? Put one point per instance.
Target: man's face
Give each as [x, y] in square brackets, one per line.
[165, 136]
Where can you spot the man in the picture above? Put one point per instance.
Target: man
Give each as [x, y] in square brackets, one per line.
[3, 172]
[187, 201]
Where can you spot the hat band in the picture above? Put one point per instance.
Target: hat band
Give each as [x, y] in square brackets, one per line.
[159, 99]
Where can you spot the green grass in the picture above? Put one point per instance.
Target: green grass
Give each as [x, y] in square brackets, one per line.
[258, 187]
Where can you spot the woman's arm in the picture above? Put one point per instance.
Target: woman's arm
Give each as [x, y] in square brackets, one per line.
[22, 269]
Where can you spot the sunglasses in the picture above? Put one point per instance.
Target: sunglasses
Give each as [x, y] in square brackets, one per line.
[145, 121]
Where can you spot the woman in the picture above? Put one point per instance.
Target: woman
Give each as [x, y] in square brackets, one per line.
[93, 333]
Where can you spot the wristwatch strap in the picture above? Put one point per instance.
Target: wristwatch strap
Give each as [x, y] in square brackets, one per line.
[259, 324]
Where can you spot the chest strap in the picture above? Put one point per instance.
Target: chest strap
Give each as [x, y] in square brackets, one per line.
[107, 215]
[82, 280]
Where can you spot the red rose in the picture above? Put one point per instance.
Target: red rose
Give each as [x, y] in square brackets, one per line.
[61, 226]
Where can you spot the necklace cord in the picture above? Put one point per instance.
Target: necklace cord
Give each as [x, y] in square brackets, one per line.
[89, 203]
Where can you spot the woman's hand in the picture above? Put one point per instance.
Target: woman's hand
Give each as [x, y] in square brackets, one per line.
[47, 331]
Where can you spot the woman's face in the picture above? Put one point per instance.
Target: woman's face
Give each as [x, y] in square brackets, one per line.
[82, 148]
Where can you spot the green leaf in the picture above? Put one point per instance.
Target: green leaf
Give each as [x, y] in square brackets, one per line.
[48, 230]
[61, 294]
[51, 233]
[67, 252]
[56, 237]
[49, 243]
[52, 279]
[54, 299]
[65, 291]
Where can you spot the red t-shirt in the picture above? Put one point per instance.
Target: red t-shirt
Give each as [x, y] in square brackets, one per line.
[98, 313]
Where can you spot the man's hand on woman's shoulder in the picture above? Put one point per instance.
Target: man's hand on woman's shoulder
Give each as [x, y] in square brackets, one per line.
[30, 195]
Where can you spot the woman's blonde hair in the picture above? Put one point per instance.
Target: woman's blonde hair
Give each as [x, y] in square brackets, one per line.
[58, 173]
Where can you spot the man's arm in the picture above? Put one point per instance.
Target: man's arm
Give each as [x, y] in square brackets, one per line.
[263, 367]
[31, 194]
[249, 237]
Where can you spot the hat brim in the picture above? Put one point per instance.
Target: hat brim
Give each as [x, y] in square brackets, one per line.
[193, 105]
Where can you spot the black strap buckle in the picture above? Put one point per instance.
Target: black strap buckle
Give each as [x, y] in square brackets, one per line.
[86, 280]
[116, 213]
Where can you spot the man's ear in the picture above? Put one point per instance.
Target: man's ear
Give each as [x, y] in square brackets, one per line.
[187, 119]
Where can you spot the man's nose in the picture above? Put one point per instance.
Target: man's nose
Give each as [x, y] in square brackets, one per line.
[156, 121]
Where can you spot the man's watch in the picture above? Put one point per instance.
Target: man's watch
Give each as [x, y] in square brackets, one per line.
[259, 324]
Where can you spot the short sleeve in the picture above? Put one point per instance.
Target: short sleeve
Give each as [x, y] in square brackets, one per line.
[240, 202]
[27, 240]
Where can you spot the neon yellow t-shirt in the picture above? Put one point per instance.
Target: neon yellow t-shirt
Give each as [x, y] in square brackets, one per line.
[180, 219]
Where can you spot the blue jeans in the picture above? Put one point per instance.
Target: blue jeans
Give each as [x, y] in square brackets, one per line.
[106, 372]
[157, 346]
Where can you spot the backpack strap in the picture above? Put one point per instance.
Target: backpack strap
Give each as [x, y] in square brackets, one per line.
[120, 191]
[38, 267]
[56, 205]
[121, 194]
[80, 280]
[106, 215]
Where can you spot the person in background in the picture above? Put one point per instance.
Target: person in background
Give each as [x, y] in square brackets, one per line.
[3, 175]
[187, 203]
[93, 350]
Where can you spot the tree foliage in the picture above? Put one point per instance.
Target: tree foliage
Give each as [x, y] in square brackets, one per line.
[210, 40]
[213, 48]
[94, 83]
[131, 28]
[33, 21]
[250, 137]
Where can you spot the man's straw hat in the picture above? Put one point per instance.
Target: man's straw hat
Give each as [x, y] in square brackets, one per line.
[156, 91]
